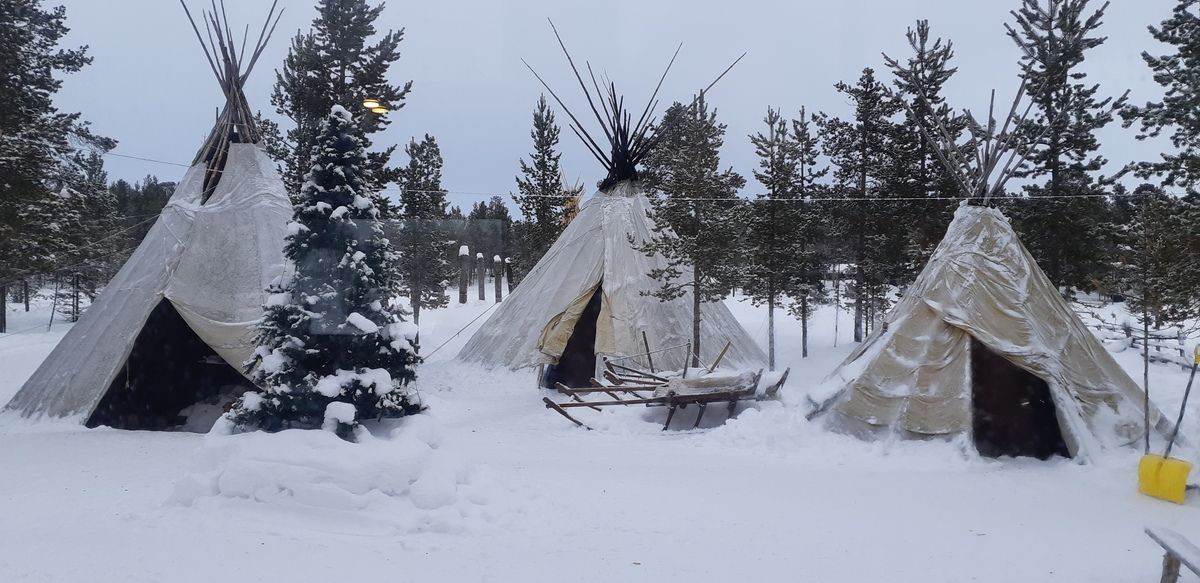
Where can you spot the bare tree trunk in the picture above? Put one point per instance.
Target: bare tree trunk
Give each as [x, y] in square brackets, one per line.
[415, 300]
[804, 326]
[695, 323]
[25, 293]
[858, 309]
[837, 303]
[3, 308]
[866, 325]
[869, 320]
[1146, 368]
[480, 268]
[771, 332]
[54, 301]
[860, 251]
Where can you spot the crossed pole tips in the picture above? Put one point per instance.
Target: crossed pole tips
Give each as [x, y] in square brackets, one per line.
[629, 142]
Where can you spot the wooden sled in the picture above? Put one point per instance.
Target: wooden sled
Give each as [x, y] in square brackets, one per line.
[625, 386]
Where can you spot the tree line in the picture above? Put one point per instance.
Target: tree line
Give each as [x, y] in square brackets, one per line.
[857, 197]
[862, 198]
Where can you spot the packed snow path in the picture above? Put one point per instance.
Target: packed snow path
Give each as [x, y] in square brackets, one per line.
[765, 497]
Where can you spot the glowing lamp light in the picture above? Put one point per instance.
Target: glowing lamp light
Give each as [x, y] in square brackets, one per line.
[372, 104]
[379, 110]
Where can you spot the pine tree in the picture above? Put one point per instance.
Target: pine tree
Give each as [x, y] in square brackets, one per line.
[1158, 263]
[333, 347]
[1061, 223]
[541, 194]
[86, 216]
[771, 233]
[697, 214]
[916, 171]
[333, 64]
[860, 150]
[1178, 73]
[137, 206]
[68, 206]
[34, 136]
[500, 231]
[488, 229]
[810, 263]
[424, 238]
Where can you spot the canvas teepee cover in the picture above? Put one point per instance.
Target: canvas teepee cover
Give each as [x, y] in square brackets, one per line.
[192, 290]
[534, 323]
[914, 376]
[586, 296]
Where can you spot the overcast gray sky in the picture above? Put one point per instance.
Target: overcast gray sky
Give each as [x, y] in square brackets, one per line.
[151, 88]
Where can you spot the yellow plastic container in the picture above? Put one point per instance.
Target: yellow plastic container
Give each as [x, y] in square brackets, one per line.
[1163, 477]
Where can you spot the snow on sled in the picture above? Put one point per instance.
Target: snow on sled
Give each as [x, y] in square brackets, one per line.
[626, 386]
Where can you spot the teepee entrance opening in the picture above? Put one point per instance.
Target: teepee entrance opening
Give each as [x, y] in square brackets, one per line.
[171, 380]
[577, 364]
[1012, 411]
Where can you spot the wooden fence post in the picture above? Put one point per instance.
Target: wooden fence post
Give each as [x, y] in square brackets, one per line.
[464, 272]
[481, 270]
[498, 276]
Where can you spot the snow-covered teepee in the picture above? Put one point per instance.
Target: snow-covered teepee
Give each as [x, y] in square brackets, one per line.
[982, 346]
[175, 325]
[588, 295]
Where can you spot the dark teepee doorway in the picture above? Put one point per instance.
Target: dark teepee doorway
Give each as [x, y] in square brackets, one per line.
[577, 364]
[171, 380]
[1012, 411]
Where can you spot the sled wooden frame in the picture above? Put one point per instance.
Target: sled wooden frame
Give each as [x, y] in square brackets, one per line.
[625, 391]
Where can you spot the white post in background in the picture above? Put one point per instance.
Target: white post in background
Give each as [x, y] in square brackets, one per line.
[498, 276]
[464, 273]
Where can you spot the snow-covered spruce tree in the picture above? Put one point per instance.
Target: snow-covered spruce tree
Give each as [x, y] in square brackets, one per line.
[1179, 74]
[332, 348]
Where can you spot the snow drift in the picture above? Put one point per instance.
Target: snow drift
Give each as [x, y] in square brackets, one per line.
[407, 480]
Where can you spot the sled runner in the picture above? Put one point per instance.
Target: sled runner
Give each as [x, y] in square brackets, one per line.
[626, 386]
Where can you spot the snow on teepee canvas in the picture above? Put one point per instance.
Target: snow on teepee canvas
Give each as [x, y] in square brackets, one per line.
[983, 347]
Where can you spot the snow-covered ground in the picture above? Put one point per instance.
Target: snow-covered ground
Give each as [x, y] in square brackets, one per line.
[489, 486]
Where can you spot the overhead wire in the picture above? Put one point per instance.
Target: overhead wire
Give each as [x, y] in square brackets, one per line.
[741, 199]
